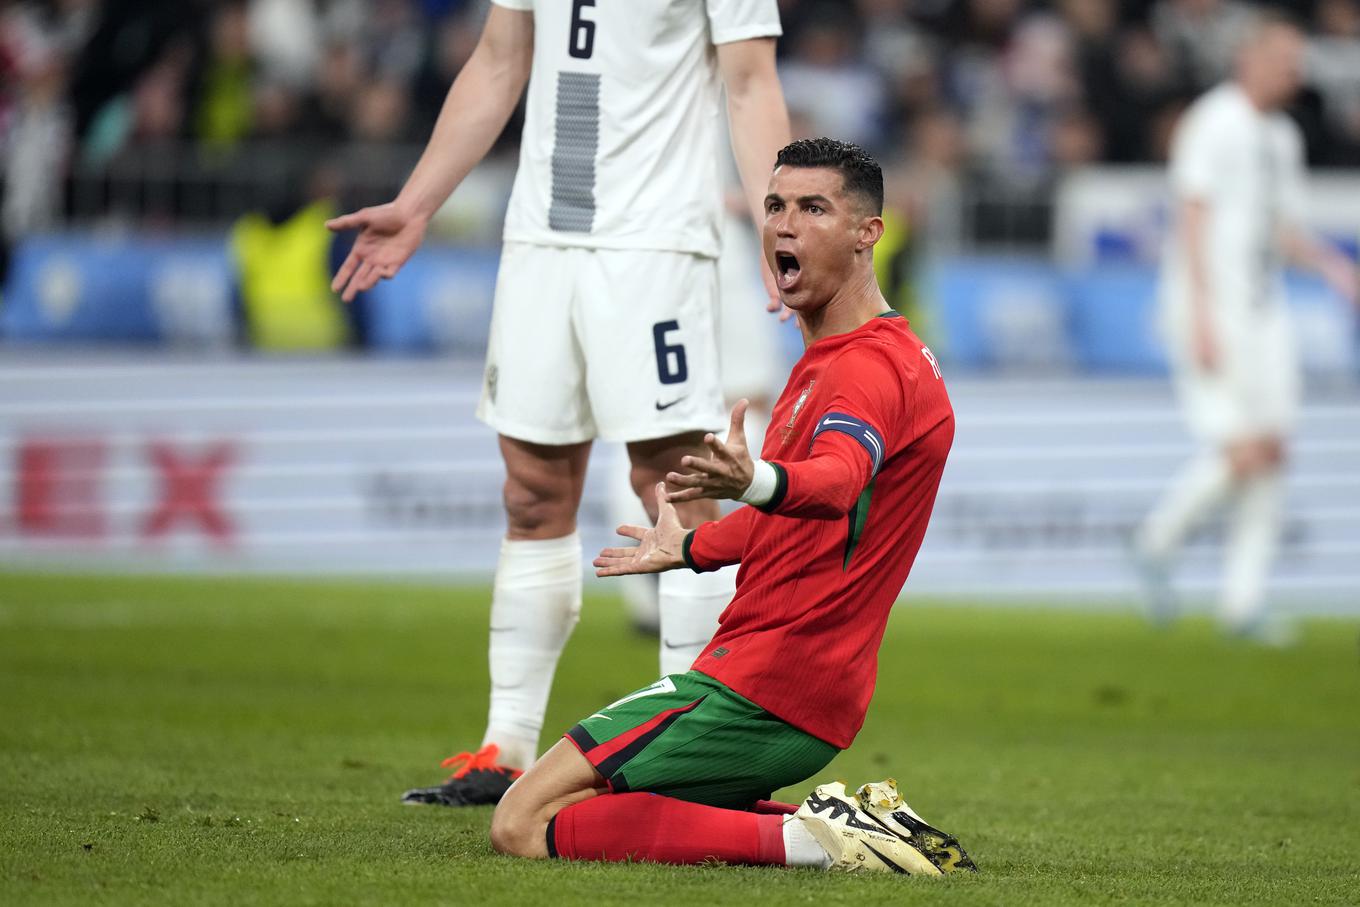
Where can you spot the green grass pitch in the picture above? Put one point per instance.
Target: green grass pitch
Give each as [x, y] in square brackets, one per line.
[187, 741]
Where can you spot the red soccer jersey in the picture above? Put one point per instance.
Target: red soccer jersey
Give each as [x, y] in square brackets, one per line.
[859, 438]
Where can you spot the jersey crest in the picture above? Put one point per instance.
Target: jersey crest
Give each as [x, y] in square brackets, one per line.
[787, 432]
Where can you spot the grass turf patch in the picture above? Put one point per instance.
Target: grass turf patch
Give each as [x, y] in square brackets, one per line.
[224, 741]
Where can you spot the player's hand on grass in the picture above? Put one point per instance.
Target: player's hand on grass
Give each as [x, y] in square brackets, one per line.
[388, 236]
[659, 548]
[725, 473]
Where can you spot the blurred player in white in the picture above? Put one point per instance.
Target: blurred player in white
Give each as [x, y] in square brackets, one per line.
[1237, 176]
[604, 320]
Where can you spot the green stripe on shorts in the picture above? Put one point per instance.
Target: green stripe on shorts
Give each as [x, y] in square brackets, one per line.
[691, 737]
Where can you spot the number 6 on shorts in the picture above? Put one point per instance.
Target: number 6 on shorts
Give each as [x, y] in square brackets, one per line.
[668, 371]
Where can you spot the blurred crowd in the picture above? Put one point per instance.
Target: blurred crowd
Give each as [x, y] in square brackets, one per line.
[1002, 92]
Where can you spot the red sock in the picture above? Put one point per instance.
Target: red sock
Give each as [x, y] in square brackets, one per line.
[774, 808]
[638, 826]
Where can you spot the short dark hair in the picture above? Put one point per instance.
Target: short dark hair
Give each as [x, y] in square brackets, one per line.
[861, 173]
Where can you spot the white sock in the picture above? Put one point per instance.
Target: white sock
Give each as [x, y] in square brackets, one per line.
[1253, 536]
[535, 604]
[801, 848]
[1193, 496]
[690, 605]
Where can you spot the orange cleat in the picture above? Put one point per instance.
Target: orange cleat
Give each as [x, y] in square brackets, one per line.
[477, 780]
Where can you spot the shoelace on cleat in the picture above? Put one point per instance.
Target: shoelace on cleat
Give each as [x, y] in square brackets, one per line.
[484, 760]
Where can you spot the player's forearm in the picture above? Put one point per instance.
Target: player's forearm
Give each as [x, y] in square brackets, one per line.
[757, 114]
[475, 111]
[1305, 250]
[1194, 226]
[827, 484]
[822, 487]
[718, 543]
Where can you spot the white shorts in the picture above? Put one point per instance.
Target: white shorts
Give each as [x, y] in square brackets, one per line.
[1254, 391]
[602, 343]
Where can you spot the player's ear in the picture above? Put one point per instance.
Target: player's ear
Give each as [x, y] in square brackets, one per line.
[870, 232]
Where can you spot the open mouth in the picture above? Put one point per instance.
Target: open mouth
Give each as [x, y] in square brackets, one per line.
[787, 270]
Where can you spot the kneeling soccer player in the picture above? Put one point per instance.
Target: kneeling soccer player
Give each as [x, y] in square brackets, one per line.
[681, 771]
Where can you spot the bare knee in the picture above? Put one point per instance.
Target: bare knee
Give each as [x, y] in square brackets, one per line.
[1256, 457]
[561, 778]
[652, 460]
[537, 511]
[644, 480]
[543, 485]
[518, 833]
[1274, 454]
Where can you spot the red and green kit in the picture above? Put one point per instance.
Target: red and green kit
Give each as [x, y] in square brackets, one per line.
[691, 737]
[859, 438]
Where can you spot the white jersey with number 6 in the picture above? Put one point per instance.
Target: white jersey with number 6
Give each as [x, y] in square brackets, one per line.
[623, 122]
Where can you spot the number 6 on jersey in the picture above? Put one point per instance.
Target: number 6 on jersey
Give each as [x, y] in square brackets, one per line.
[581, 43]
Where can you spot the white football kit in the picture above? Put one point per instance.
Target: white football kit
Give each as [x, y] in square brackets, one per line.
[1247, 166]
[606, 302]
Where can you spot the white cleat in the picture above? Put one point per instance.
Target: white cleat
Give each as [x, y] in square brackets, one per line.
[884, 804]
[855, 841]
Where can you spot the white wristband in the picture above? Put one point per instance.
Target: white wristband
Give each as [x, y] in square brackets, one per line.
[763, 485]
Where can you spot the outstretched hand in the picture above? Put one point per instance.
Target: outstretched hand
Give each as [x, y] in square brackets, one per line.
[725, 473]
[659, 548]
[388, 236]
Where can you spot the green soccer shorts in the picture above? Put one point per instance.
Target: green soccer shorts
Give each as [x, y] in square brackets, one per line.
[691, 737]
